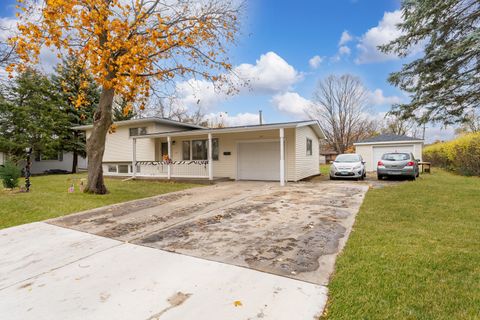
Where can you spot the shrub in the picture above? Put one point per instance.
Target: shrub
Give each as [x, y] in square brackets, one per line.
[461, 155]
[9, 174]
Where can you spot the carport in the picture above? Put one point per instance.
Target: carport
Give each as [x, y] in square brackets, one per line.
[372, 149]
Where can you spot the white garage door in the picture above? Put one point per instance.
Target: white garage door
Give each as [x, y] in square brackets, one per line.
[259, 161]
[379, 151]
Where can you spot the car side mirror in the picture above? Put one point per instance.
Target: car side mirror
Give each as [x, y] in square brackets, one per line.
[418, 160]
[363, 162]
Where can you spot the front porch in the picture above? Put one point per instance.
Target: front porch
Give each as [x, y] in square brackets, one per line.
[205, 154]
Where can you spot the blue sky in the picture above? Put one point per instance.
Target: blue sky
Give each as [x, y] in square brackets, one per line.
[286, 47]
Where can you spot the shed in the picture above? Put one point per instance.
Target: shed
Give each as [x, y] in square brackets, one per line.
[372, 149]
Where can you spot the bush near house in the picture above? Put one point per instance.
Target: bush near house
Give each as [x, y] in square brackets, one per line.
[461, 155]
[9, 174]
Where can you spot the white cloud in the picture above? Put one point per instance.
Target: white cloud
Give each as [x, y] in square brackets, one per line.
[345, 38]
[383, 33]
[270, 73]
[240, 119]
[292, 103]
[377, 98]
[315, 61]
[344, 50]
[198, 92]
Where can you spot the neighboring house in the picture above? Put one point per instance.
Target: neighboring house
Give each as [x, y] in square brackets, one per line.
[2, 158]
[327, 152]
[165, 148]
[59, 161]
[373, 148]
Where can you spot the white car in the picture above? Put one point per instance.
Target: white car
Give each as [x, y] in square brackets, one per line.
[348, 165]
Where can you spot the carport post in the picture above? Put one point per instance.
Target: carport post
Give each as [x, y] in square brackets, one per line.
[134, 158]
[282, 156]
[210, 157]
[169, 169]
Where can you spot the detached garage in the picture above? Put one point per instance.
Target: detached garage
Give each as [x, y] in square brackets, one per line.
[373, 148]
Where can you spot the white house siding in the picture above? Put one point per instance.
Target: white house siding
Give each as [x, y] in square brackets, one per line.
[119, 146]
[366, 151]
[226, 166]
[306, 165]
[66, 164]
[2, 158]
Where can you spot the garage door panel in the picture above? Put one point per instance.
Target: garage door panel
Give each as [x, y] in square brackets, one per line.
[259, 161]
[379, 151]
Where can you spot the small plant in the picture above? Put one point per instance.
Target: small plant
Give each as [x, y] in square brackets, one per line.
[9, 174]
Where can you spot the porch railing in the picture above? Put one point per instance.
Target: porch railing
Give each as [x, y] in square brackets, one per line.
[178, 169]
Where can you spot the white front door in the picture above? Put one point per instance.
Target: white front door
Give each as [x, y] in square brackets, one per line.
[258, 161]
[379, 151]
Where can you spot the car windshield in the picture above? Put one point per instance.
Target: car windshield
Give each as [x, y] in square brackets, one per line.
[348, 158]
[396, 156]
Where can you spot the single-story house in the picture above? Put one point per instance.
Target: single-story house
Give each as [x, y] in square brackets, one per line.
[372, 149]
[155, 147]
[41, 163]
[57, 161]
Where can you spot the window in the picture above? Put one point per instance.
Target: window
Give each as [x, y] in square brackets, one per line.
[198, 149]
[138, 131]
[186, 150]
[49, 156]
[396, 156]
[123, 168]
[309, 147]
[112, 168]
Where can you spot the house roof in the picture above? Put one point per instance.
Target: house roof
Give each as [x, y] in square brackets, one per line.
[388, 138]
[313, 123]
[146, 120]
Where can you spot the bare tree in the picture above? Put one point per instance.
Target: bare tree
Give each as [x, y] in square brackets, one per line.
[471, 123]
[340, 106]
[396, 125]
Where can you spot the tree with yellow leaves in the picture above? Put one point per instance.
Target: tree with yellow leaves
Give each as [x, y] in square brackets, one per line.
[127, 45]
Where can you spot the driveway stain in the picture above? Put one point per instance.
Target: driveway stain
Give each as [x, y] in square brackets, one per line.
[175, 300]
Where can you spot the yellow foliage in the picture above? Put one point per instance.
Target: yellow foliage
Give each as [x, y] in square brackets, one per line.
[123, 45]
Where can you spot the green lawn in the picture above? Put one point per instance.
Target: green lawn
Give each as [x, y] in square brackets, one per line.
[49, 197]
[414, 253]
[325, 169]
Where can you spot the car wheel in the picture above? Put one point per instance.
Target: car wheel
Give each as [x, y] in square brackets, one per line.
[418, 174]
[379, 177]
[332, 178]
[414, 177]
[362, 177]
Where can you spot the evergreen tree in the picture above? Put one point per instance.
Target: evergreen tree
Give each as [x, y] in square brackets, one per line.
[73, 82]
[30, 116]
[444, 83]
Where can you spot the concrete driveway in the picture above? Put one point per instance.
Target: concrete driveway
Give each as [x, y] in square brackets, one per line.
[236, 250]
[289, 231]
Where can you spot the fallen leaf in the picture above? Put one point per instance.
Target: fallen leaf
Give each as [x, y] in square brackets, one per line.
[237, 303]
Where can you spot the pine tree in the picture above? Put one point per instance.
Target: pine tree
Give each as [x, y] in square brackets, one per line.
[30, 115]
[71, 80]
[444, 83]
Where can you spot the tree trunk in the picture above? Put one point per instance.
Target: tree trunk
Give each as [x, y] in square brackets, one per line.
[102, 120]
[75, 153]
[75, 161]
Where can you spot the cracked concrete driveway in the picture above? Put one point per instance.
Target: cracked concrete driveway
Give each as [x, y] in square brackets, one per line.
[293, 231]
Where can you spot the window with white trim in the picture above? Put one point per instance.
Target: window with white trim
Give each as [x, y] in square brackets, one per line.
[309, 147]
[198, 149]
[137, 131]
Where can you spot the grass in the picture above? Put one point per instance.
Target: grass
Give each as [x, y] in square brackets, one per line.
[414, 253]
[325, 169]
[49, 197]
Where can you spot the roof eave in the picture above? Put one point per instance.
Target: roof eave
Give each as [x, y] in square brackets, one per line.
[388, 142]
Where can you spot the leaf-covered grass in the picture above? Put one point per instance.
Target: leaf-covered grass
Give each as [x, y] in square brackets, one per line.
[49, 197]
[414, 253]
